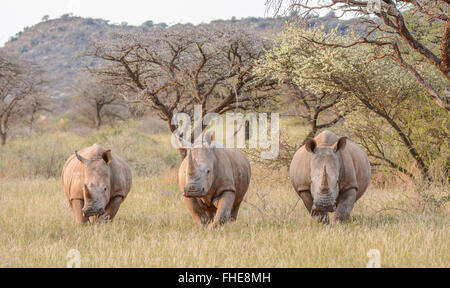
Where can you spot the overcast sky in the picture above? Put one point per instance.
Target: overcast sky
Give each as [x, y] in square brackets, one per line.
[17, 14]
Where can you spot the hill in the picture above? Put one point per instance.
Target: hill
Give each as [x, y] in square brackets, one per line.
[57, 45]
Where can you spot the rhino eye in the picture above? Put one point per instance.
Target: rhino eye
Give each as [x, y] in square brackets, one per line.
[207, 171]
[104, 189]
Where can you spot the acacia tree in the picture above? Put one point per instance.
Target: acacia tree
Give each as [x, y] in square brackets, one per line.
[17, 83]
[314, 108]
[171, 70]
[98, 100]
[396, 26]
[32, 105]
[284, 63]
[318, 108]
[383, 99]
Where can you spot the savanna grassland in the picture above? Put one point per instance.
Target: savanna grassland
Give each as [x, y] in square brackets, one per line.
[154, 228]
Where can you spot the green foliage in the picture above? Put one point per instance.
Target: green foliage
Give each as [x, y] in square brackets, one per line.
[387, 104]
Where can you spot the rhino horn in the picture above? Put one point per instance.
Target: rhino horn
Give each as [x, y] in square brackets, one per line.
[191, 164]
[324, 184]
[87, 194]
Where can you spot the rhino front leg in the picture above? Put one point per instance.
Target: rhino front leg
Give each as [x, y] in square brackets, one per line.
[224, 204]
[111, 209]
[345, 205]
[77, 205]
[197, 211]
[234, 213]
[307, 199]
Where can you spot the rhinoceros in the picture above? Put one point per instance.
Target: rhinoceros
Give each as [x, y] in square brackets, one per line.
[95, 181]
[214, 181]
[330, 174]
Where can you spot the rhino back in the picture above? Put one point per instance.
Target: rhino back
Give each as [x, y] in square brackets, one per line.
[299, 170]
[357, 168]
[121, 177]
[241, 171]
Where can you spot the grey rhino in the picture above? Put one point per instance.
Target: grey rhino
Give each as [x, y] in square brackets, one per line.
[95, 182]
[213, 182]
[330, 174]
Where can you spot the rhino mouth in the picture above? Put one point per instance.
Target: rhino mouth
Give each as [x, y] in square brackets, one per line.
[93, 212]
[194, 193]
[323, 208]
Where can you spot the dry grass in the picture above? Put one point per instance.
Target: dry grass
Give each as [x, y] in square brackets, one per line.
[154, 229]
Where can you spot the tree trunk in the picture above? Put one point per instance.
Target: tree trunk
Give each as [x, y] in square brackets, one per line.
[98, 117]
[3, 138]
[30, 130]
[4, 128]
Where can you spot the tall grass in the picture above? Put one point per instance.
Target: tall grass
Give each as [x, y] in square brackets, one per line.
[154, 228]
[44, 155]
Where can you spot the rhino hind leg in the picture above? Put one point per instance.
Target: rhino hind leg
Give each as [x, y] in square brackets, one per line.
[77, 205]
[111, 209]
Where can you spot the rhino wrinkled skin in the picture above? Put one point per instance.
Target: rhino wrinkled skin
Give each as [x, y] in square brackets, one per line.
[330, 174]
[213, 182]
[95, 182]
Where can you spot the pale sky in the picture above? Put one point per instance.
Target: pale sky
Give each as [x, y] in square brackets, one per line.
[17, 14]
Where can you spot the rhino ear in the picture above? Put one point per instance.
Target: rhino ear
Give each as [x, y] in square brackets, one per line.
[81, 158]
[340, 144]
[310, 144]
[107, 156]
[210, 137]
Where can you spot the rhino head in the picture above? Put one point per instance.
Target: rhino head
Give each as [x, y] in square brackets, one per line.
[97, 183]
[200, 169]
[327, 170]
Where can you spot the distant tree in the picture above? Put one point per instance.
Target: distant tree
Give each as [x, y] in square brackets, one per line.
[172, 70]
[98, 100]
[45, 18]
[395, 27]
[32, 106]
[162, 25]
[148, 23]
[67, 16]
[17, 84]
